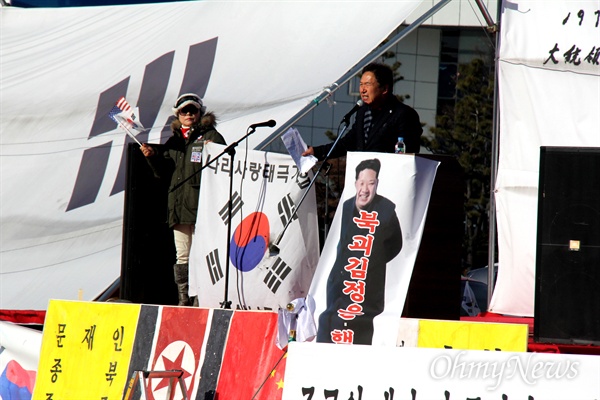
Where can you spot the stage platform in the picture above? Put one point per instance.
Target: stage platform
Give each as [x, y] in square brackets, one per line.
[223, 354]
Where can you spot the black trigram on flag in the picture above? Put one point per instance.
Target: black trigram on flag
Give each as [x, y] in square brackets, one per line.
[214, 266]
[277, 274]
[236, 206]
[303, 181]
[286, 209]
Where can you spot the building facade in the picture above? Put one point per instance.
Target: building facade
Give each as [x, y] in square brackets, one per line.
[429, 58]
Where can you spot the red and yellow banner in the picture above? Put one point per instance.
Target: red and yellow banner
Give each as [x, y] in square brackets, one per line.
[93, 349]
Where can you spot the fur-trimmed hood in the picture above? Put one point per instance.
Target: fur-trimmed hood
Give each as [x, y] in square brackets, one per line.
[207, 120]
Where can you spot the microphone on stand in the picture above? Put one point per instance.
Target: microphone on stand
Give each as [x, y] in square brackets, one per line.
[270, 123]
[358, 105]
[274, 246]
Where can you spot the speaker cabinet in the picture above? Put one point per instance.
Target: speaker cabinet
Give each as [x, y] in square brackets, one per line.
[567, 284]
[148, 250]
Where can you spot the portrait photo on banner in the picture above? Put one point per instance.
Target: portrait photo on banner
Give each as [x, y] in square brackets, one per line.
[364, 271]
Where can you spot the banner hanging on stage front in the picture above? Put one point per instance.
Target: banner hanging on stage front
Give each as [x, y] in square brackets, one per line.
[365, 268]
[266, 190]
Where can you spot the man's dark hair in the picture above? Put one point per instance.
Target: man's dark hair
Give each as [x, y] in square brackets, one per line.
[383, 73]
[373, 164]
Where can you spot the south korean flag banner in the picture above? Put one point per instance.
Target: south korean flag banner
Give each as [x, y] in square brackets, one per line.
[266, 190]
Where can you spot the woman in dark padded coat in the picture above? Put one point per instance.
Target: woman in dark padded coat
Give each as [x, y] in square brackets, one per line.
[179, 159]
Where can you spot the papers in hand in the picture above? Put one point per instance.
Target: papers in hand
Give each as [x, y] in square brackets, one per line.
[295, 146]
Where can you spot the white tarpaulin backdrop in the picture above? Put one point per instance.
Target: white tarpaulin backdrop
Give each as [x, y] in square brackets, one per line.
[63, 70]
[549, 87]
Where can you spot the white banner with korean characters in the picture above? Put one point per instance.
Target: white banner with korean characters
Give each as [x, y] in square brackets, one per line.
[382, 372]
[549, 95]
[366, 264]
[266, 189]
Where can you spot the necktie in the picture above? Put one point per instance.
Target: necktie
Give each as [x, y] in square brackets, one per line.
[367, 120]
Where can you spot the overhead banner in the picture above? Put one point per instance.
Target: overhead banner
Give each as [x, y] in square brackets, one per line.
[366, 264]
[273, 241]
[63, 70]
[549, 95]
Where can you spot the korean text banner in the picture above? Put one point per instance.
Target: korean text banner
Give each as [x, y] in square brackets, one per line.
[549, 95]
[366, 264]
[63, 69]
[93, 348]
[381, 372]
[86, 349]
[266, 190]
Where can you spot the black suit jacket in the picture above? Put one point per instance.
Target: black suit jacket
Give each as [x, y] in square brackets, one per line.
[394, 119]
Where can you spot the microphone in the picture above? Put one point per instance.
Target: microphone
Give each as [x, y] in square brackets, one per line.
[270, 123]
[346, 118]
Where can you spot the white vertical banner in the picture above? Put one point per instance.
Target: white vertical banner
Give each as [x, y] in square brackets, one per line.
[266, 189]
[365, 268]
[549, 95]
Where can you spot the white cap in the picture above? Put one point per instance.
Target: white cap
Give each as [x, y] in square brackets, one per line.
[188, 98]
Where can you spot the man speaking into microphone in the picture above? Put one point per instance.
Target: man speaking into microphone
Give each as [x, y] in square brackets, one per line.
[380, 120]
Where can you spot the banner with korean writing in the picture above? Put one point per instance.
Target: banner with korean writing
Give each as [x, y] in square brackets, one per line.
[265, 192]
[86, 348]
[549, 95]
[399, 373]
[365, 268]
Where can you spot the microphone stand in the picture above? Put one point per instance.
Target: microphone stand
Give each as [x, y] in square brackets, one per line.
[226, 303]
[274, 247]
[326, 219]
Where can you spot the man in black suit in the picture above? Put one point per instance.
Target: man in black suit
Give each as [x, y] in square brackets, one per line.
[379, 121]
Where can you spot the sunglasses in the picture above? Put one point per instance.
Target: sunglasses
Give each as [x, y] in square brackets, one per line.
[189, 110]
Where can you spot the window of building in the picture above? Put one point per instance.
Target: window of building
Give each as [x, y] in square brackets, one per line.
[458, 46]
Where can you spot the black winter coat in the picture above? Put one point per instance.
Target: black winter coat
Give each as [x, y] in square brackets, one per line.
[172, 161]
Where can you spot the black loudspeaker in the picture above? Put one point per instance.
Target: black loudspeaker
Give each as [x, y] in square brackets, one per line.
[148, 251]
[567, 284]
